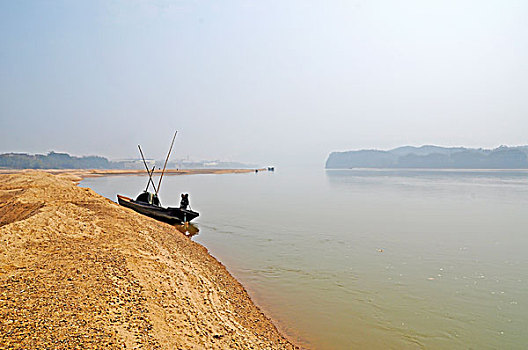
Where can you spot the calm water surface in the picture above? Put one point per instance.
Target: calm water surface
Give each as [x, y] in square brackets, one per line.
[369, 259]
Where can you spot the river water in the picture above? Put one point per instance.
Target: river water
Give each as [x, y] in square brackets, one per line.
[375, 259]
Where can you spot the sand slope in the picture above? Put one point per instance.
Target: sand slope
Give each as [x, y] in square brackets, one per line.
[79, 271]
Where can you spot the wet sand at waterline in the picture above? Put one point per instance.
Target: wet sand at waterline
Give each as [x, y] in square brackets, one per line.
[79, 271]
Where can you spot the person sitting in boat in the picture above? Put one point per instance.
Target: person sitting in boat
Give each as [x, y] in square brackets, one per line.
[184, 201]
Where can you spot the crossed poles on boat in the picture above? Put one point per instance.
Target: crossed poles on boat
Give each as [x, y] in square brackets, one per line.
[151, 172]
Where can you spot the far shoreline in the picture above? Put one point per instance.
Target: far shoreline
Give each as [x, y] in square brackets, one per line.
[77, 175]
[107, 172]
[437, 169]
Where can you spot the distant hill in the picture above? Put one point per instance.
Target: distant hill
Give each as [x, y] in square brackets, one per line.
[433, 157]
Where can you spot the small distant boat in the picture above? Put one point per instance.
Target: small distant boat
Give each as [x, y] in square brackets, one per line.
[148, 203]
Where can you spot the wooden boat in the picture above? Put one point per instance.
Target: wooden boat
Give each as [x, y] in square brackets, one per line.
[148, 203]
[168, 215]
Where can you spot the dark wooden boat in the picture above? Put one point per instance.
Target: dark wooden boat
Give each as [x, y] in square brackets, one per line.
[148, 203]
[168, 215]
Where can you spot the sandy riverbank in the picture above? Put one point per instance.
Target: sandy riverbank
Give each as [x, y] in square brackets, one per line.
[79, 271]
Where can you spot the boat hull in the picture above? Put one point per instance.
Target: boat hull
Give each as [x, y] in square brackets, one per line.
[168, 215]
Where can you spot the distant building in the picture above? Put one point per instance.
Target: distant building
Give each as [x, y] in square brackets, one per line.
[135, 163]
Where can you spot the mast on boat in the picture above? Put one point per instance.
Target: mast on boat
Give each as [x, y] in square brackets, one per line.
[149, 172]
[166, 160]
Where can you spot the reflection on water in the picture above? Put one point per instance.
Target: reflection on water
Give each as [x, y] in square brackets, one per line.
[187, 229]
[371, 259]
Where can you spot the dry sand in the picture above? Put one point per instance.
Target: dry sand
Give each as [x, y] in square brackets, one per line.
[77, 271]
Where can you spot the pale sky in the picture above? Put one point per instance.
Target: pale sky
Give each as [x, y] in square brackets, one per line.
[267, 82]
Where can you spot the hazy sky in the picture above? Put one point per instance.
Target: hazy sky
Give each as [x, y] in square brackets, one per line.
[261, 81]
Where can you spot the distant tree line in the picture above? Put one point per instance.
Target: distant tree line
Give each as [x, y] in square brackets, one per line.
[54, 160]
[432, 157]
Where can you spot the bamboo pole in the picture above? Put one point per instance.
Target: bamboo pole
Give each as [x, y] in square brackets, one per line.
[166, 160]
